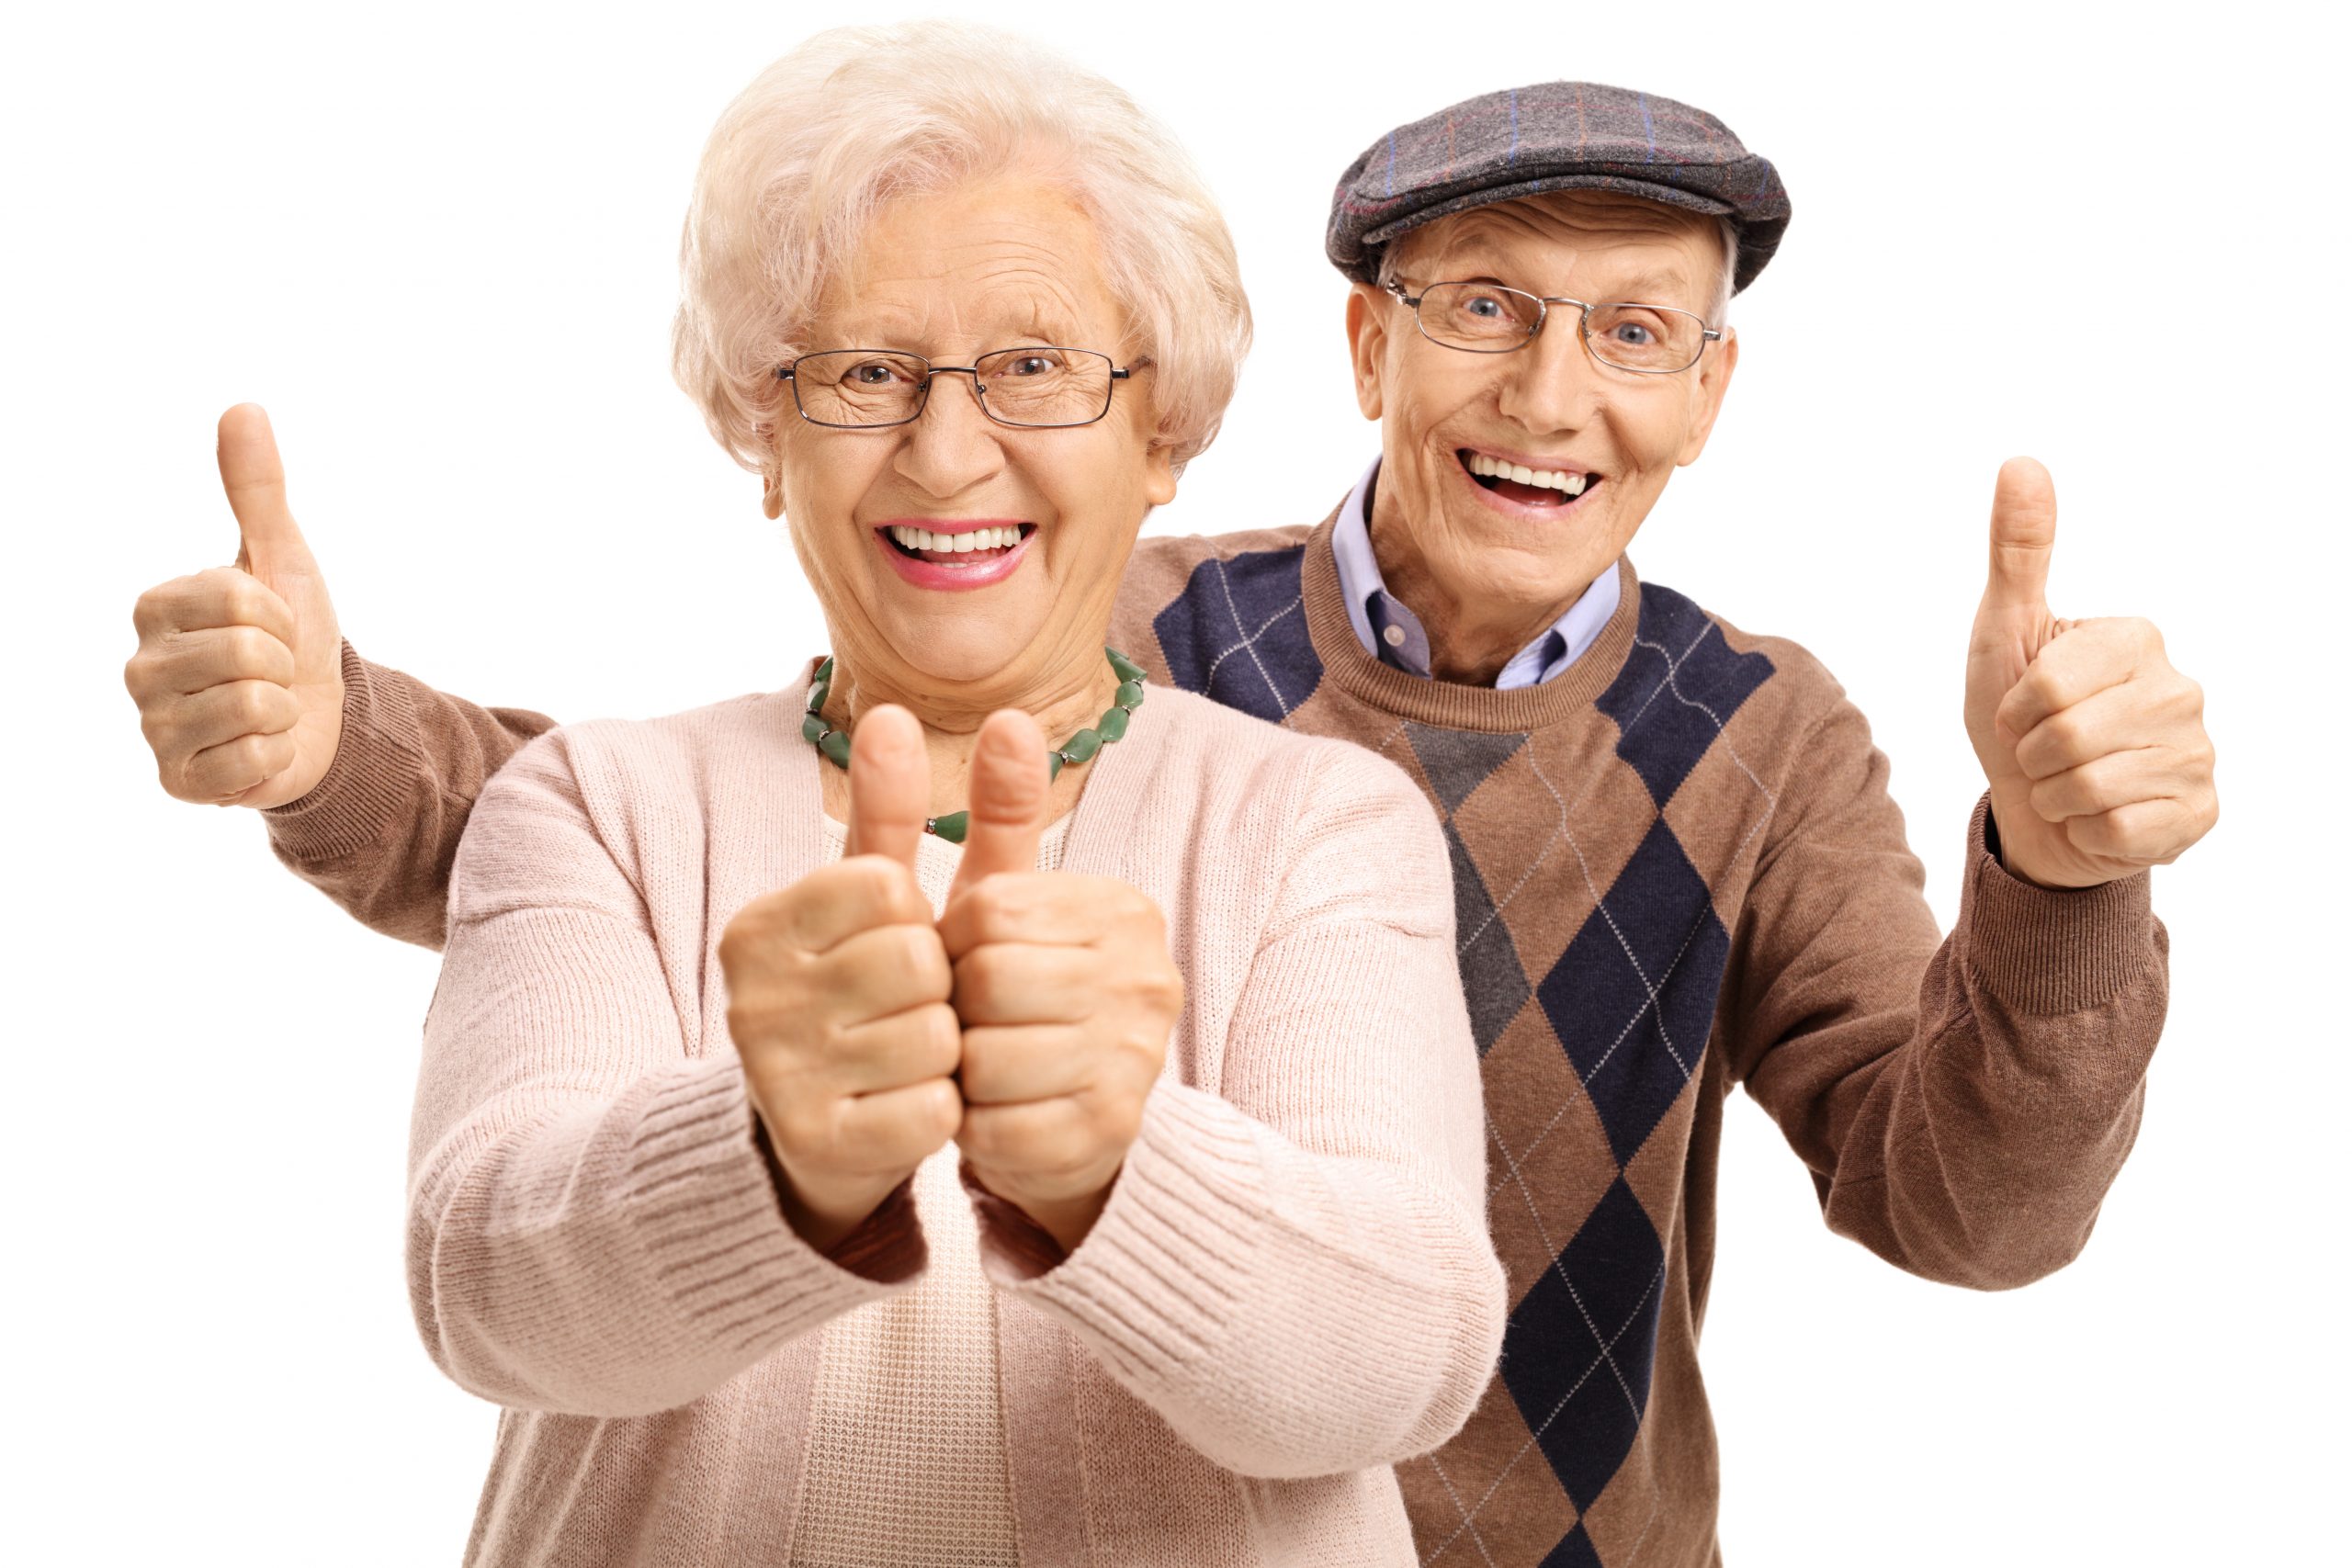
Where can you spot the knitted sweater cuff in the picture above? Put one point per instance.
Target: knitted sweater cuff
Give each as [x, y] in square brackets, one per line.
[1155, 1278]
[371, 780]
[2049, 949]
[722, 1251]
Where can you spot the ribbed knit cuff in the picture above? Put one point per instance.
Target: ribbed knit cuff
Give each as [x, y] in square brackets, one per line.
[2046, 949]
[1155, 1280]
[714, 1237]
[372, 780]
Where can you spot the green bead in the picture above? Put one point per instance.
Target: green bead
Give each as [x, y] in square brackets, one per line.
[1129, 696]
[835, 747]
[825, 672]
[1082, 745]
[812, 728]
[1112, 724]
[1053, 765]
[1126, 668]
[817, 695]
[950, 827]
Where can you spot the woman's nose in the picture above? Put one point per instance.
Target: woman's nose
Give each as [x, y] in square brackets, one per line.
[952, 445]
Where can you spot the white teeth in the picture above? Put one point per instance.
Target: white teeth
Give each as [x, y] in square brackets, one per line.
[957, 544]
[1543, 479]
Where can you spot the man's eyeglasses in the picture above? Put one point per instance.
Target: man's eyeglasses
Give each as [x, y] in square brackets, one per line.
[1035, 388]
[1486, 318]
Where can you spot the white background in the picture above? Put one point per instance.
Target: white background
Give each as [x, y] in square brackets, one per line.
[439, 244]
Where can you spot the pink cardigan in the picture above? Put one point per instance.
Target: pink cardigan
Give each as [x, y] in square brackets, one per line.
[1290, 1289]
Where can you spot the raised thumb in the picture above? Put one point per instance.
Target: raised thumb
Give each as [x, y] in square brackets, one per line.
[889, 785]
[269, 545]
[1011, 795]
[2025, 526]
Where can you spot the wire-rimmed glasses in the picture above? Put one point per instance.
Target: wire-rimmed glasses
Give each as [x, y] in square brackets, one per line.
[1036, 386]
[1486, 318]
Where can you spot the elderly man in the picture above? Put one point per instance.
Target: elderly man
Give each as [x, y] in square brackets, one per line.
[1677, 868]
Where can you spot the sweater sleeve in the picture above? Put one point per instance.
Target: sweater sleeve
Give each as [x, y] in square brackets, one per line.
[593, 1227]
[1294, 1273]
[1963, 1104]
[377, 833]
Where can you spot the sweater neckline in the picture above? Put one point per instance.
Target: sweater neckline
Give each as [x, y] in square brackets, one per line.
[1443, 702]
[1092, 834]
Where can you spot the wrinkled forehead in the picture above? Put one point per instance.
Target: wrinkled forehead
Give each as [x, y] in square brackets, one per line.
[994, 263]
[1566, 242]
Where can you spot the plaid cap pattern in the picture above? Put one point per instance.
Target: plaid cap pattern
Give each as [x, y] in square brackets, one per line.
[1523, 142]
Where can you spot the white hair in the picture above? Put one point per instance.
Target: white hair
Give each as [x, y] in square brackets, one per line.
[855, 117]
[1719, 312]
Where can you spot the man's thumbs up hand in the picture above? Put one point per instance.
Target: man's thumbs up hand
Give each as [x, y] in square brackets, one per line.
[2094, 746]
[239, 671]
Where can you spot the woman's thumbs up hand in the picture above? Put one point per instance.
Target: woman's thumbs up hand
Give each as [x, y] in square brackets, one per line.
[1067, 994]
[837, 997]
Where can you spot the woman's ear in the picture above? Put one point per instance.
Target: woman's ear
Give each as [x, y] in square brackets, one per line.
[770, 471]
[1159, 473]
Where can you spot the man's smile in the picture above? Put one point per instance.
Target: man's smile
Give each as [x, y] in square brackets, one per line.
[1544, 485]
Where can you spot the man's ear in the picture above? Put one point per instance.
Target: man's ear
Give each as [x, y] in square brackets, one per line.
[1714, 380]
[1367, 342]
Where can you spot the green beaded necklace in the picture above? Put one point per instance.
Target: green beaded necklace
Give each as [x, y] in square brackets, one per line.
[833, 744]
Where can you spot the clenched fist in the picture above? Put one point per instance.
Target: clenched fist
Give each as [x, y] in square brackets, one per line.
[837, 999]
[239, 674]
[1065, 992]
[2093, 744]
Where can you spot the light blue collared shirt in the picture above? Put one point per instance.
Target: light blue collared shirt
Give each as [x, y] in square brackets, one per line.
[1394, 634]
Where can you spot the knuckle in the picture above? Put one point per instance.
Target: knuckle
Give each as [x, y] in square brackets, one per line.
[249, 650]
[240, 597]
[945, 1109]
[252, 704]
[942, 1041]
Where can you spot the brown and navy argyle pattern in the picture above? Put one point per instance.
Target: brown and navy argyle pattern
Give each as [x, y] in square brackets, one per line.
[1606, 830]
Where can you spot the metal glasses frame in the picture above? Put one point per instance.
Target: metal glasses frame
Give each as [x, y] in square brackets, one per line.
[923, 399]
[1543, 303]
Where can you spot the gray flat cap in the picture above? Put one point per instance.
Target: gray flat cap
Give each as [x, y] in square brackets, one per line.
[1554, 136]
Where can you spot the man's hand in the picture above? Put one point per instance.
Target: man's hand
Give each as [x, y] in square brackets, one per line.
[837, 999]
[1067, 994]
[238, 672]
[2093, 745]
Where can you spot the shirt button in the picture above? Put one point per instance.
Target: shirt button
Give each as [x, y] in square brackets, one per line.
[1394, 637]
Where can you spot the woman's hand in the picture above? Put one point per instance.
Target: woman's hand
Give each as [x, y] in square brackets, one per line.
[837, 999]
[238, 672]
[1067, 995]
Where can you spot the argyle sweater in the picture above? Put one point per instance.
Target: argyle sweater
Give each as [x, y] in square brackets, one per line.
[1676, 871]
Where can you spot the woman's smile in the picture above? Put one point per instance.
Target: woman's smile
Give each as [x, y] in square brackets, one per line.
[953, 553]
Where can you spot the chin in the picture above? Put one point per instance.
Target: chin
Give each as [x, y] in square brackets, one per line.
[961, 649]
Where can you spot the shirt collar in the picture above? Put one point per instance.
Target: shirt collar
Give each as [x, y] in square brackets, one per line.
[1391, 633]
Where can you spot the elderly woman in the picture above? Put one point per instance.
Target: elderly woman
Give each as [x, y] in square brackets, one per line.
[851, 1133]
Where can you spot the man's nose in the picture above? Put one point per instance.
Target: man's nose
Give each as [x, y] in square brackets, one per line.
[952, 445]
[1552, 384]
